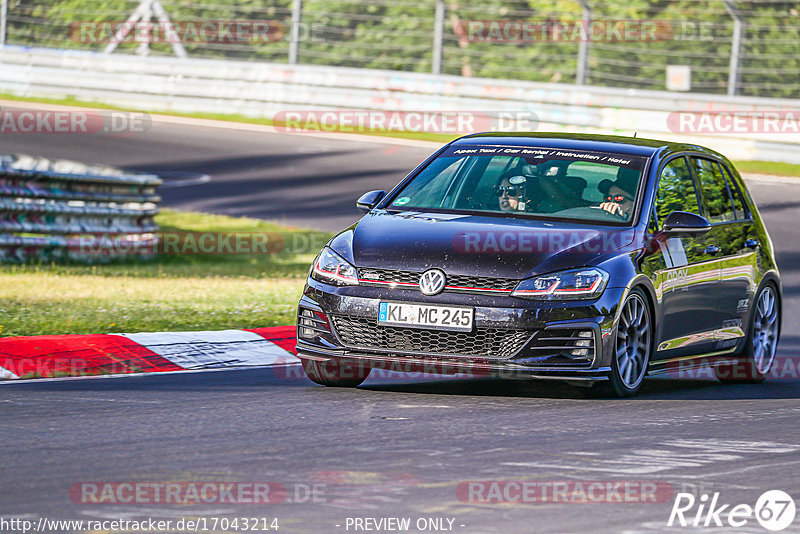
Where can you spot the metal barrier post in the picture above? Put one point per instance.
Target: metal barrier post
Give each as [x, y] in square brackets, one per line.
[294, 43]
[736, 47]
[147, 9]
[143, 13]
[438, 37]
[163, 17]
[583, 46]
[3, 21]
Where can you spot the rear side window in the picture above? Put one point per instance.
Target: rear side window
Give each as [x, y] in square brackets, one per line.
[676, 190]
[718, 203]
[738, 198]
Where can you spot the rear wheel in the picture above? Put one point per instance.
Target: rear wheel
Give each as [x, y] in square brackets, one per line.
[631, 349]
[761, 345]
[336, 372]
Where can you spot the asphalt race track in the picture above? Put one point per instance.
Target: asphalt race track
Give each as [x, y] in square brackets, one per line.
[397, 446]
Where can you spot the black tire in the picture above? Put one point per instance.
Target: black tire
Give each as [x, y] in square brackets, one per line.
[633, 347]
[336, 372]
[761, 344]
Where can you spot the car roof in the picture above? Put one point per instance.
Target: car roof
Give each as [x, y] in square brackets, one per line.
[580, 141]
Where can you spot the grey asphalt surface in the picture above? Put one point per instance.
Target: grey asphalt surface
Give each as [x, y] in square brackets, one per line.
[397, 446]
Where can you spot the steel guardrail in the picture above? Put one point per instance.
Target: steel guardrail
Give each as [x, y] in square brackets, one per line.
[257, 89]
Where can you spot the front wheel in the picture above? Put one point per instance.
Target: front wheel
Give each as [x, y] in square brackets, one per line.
[761, 345]
[336, 372]
[631, 349]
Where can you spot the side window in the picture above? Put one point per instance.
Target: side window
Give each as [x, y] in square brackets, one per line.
[738, 199]
[718, 203]
[676, 190]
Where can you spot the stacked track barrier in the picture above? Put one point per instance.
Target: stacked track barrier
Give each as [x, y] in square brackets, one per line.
[63, 210]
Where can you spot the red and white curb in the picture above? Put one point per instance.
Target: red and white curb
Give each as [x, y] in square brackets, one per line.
[98, 354]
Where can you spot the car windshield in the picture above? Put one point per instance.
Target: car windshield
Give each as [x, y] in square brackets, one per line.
[533, 182]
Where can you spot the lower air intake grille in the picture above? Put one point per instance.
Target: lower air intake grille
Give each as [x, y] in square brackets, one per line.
[360, 333]
[562, 346]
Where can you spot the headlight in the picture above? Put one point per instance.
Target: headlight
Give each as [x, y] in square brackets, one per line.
[331, 268]
[576, 284]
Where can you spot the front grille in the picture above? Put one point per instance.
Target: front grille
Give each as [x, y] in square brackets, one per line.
[385, 275]
[361, 333]
[454, 282]
[481, 282]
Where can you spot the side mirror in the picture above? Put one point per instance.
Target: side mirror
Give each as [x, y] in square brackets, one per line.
[369, 200]
[685, 223]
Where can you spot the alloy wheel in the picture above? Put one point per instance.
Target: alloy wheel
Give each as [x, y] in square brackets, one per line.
[633, 341]
[765, 330]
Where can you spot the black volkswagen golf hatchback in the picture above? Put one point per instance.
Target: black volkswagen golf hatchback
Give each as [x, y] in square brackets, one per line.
[595, 260]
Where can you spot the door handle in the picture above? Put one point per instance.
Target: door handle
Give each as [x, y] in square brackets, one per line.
[751, 243]
[712, 249]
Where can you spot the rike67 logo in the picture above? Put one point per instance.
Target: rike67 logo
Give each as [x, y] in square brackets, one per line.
[774, 510]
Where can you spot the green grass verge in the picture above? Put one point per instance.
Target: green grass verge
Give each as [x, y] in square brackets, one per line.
[167, 293]
[768, 167]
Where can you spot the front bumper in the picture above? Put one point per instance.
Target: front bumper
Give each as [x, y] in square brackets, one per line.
[323, 307]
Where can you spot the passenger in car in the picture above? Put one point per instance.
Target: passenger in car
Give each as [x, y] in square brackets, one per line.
[618, 196]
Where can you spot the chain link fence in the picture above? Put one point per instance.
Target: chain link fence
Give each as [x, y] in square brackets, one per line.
[749, 48]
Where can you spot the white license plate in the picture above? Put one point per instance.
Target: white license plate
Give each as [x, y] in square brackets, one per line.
[425, 316]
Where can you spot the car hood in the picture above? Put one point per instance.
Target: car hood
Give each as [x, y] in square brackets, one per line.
[475, 245]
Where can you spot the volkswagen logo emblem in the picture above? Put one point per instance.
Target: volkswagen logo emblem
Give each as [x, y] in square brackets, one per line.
[432, 282]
